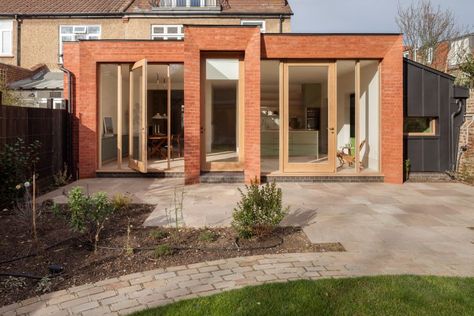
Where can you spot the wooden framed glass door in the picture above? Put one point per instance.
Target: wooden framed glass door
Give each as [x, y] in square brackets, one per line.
[138, 117]
[309, 118]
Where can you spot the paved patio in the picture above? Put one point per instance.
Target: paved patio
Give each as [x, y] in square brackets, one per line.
[386, 229]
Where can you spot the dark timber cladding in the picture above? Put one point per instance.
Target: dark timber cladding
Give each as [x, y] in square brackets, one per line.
[432, 94]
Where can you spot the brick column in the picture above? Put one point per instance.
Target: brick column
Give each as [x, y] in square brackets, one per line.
[466, 140]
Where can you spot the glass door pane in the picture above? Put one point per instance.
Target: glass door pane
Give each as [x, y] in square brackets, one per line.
[138, 117]
[223, 141]
[309, 118]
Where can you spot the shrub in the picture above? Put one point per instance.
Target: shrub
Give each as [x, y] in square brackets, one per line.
[259, 210]
[88, 214]
[159, 234]
[62, 177]
[121, 201]
[162, 250]
[17, 164]
[207, 236]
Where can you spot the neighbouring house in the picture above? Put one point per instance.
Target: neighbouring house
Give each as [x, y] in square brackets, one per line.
[33, 32]
[434, 109]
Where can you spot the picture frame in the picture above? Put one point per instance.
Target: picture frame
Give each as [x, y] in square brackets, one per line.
[108, 126]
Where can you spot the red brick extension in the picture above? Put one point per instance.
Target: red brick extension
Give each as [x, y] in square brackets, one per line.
[82, 59]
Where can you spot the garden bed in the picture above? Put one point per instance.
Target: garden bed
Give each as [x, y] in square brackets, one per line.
[120, 252]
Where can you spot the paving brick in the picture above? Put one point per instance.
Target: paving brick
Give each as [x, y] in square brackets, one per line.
[102, 295]
[151, 298]
[131, 310]
[154, 284]
[116, 285]
[188, 272]
[175, 269]
[133, 288]
[233, 277]
[224, 284]
[164, 276]
[30, 308]
[60, 299]
[197, 265]
[201, 275]
[131, 276]
[177, 293]
[74, 302]
[101, 310]
[90, 291]
[201, 288]
[208, 269]
[222, 272]
[124, 304]
[265, 278]
[83, 307]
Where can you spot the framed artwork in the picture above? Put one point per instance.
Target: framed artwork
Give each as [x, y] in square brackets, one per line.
[108, 126]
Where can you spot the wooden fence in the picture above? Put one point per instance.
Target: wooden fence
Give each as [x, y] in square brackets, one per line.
[48, 126]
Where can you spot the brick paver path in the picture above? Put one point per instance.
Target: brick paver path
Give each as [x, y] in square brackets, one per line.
[138, 291]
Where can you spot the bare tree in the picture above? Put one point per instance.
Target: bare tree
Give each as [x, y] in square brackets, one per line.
[425, 28]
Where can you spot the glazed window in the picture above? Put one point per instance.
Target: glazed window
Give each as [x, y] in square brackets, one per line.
[420, 126]
[6, 40]
[73, 33]
[258, 23]
[167, 32]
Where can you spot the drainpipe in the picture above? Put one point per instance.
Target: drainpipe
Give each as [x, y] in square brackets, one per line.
[282, 19]
[453, 150]
[18, 40]
[70, 130]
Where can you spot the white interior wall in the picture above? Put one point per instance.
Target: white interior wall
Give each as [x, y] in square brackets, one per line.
[108, 94]
[370, 114]
[345, 87]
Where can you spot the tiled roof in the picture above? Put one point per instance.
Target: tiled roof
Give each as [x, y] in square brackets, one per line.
[62, 6]
[32, 7]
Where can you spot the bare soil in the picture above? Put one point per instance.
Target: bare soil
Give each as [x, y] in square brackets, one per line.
[57, 244]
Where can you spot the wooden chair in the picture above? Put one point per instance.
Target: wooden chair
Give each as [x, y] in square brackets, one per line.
[348, 157]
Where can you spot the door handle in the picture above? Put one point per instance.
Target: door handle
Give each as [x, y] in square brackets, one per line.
[331, 129]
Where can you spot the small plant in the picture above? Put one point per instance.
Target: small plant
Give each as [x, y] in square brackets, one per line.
[121, 201]
[128, 247]
[26, 209]
[62, 177]
[13, 283]
[17, 164]
[43, 286]
[159, 234]
[407, 169]
[175, 214]
[207, 236]
[88, 214]
[259, 211]
[162, 250]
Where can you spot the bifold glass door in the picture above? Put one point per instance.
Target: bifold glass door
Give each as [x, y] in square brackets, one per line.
[138, 117]
[309, 117]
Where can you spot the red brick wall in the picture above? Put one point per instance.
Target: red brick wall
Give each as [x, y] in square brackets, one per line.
[387, 48]
[221, 39]
[83, 58]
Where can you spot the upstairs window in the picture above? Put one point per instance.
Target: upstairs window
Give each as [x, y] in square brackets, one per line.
[259, 23]
[167, 32]
[6, 39]
[73, 33]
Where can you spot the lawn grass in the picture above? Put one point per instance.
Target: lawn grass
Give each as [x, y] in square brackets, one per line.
[383, 295]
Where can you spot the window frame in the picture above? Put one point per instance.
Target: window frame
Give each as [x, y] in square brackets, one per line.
[74, 33]
[7, 29]
[263, 26]
[165, 36]
[433, 123]
[430, 55]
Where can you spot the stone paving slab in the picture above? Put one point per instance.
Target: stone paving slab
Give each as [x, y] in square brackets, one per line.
[118, 296]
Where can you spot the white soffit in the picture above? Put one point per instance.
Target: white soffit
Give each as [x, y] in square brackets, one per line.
[222, 69]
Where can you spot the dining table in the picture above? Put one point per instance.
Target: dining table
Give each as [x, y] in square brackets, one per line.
[157, 143]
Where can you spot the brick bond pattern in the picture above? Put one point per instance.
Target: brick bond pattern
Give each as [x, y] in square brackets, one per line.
[466, 163]
[83, 58]
[138, 291]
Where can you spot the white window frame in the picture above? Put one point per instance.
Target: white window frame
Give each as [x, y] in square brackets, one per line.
[406, 54]
[429, 55]
[260, 23]
[6, 27]
[165, 35]
[78, 30]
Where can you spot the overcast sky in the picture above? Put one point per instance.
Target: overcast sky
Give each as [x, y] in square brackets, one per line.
[352, 16]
